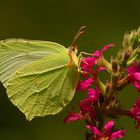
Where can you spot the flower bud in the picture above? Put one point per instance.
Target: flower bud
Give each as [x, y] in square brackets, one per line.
[120, 55]
[114, 64]
[108, 88]
[126, 40]
[135, 57]
[126, 56]
[132, 39]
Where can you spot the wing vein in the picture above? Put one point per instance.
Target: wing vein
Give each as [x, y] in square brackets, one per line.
[43, 89]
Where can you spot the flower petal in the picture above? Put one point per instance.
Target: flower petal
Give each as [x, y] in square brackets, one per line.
[84, 84]
[134, 75]
[107, 47]
[72, 117]
[137, 76]
[137, 85]
[94, 130]
[134, 112]
[108, 127]
[97, 54]
[118, 134]
[93, 94]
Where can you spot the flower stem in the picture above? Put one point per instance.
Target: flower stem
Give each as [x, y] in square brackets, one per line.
[104, 63]
[100, 85]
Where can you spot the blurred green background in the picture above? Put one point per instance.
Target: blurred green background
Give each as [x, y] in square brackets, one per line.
[58, 21]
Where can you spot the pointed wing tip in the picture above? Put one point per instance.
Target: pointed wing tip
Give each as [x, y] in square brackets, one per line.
[29, 118]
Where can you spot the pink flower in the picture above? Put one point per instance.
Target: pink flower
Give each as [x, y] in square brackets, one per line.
[105, 48]
[118, 134]
[98, 53]
[107, 134]
[88, 62]
[72, 117]
[134, 75]
[86, 105]
[93, 94]
[94, 130]
[86, 109]
[108, 127]
[86, 112]
[135, 112]
[87, 66]
[84, 84]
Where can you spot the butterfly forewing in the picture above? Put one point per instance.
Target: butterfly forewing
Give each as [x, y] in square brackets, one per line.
[16, 53]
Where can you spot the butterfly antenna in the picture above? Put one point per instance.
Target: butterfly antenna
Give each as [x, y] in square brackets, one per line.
[79, 33]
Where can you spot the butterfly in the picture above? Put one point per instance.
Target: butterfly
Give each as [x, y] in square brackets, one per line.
[40, 77]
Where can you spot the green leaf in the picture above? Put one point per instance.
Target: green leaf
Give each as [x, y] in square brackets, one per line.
[39, 76]
[15, 53]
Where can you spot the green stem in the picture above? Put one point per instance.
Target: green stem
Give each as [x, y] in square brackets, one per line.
[100, 85]
[104, 63]
[132, 60]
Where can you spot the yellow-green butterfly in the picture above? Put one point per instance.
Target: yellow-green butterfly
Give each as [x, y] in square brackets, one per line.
[40, 76]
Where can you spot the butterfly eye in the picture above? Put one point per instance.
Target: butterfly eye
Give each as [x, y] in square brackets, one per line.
[73, 49]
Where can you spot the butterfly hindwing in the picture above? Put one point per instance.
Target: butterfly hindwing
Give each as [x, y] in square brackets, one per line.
[43, 87]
